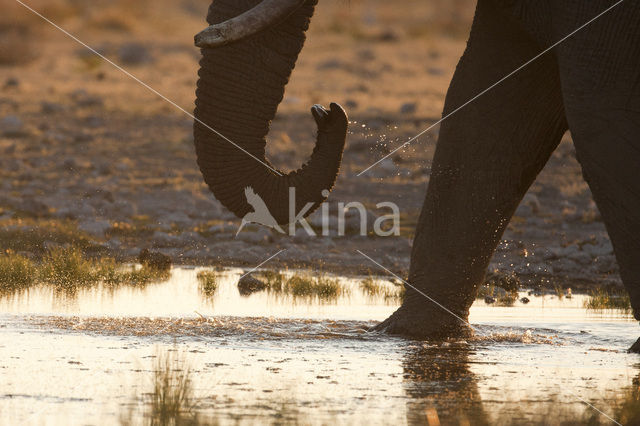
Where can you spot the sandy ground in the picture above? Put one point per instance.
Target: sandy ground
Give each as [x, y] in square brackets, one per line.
[86, 147]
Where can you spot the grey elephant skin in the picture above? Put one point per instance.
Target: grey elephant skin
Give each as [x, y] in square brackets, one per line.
[488, 153]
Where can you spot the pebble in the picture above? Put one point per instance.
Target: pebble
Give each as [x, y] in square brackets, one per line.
[12, 126]
[408, 108]
[83, 99]
[95, 228]
[11, 82]
[134, 54]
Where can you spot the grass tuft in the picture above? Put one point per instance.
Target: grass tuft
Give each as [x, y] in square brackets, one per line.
[370, 287]
[31, 235]
[308, 286]
[68, 269]
[602, 300]
[16, 272]
[275, 280]
[172, 401]
[208, 282]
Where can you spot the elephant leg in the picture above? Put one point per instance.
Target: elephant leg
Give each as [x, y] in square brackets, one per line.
[487, 156]
[600, 75]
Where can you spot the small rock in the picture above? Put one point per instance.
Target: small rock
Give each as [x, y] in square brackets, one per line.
[388, 36]
[84, 99]
[354, 220]
[10, 149]
[154, 260]
[96, 228]
[259, 236]
[70, 164]
[93, 121]
[524, 300]
[34, 207]
[50, 107]
[351, 104]
[249, 284]
[178, 218]
[122, 209]
[11, 82]
[302, 235]
[162, 239]
[408, 108]
[12, 126]
[114, 244]
[191, 238]
[223, 228]
[331, 64]
[134, 54]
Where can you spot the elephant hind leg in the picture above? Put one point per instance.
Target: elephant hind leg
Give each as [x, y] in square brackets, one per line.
[601, 89]
[487, 156]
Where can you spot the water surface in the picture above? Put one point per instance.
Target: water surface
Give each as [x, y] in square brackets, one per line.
[87, 357]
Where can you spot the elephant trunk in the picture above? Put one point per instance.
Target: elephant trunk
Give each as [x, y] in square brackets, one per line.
[240, 87]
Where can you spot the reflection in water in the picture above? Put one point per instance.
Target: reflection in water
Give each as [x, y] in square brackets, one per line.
[439, 385]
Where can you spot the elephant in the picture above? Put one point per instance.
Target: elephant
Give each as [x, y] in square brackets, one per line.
[488, 153]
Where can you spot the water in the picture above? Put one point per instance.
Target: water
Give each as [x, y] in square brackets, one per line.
[87, 358]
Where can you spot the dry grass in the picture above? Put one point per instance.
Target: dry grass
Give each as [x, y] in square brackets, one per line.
[30, 235]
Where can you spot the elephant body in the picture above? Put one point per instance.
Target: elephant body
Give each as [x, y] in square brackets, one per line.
[488, 153]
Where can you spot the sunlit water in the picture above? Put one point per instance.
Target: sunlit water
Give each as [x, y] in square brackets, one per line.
[87, 358]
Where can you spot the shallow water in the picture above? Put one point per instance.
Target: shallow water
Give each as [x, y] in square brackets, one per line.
[87, 357]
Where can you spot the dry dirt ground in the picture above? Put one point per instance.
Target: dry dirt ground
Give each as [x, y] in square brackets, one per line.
[88, 156]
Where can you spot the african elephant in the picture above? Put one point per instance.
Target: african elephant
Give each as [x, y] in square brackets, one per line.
[488, 153]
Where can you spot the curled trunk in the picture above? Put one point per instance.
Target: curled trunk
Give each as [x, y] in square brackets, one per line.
[240, 87]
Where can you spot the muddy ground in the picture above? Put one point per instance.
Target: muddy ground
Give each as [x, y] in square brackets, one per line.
[88, 156]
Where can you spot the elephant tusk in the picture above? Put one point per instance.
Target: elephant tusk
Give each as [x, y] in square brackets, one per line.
[262, 16]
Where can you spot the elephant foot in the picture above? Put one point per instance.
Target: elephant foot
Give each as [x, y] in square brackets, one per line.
[635, 348]
[424, 324]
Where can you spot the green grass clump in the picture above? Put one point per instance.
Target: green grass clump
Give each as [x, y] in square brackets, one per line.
[208, 282]
[507, 299]
[16, 272]
[559, 291]
[373, 289]
[508, 282]
[370, 287]
[275, 280]
[308, 286]
[67, 267]
[326, 288]
[486, 290]
[601, 300]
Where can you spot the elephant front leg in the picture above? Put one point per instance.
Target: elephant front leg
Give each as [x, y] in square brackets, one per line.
[487, 156]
